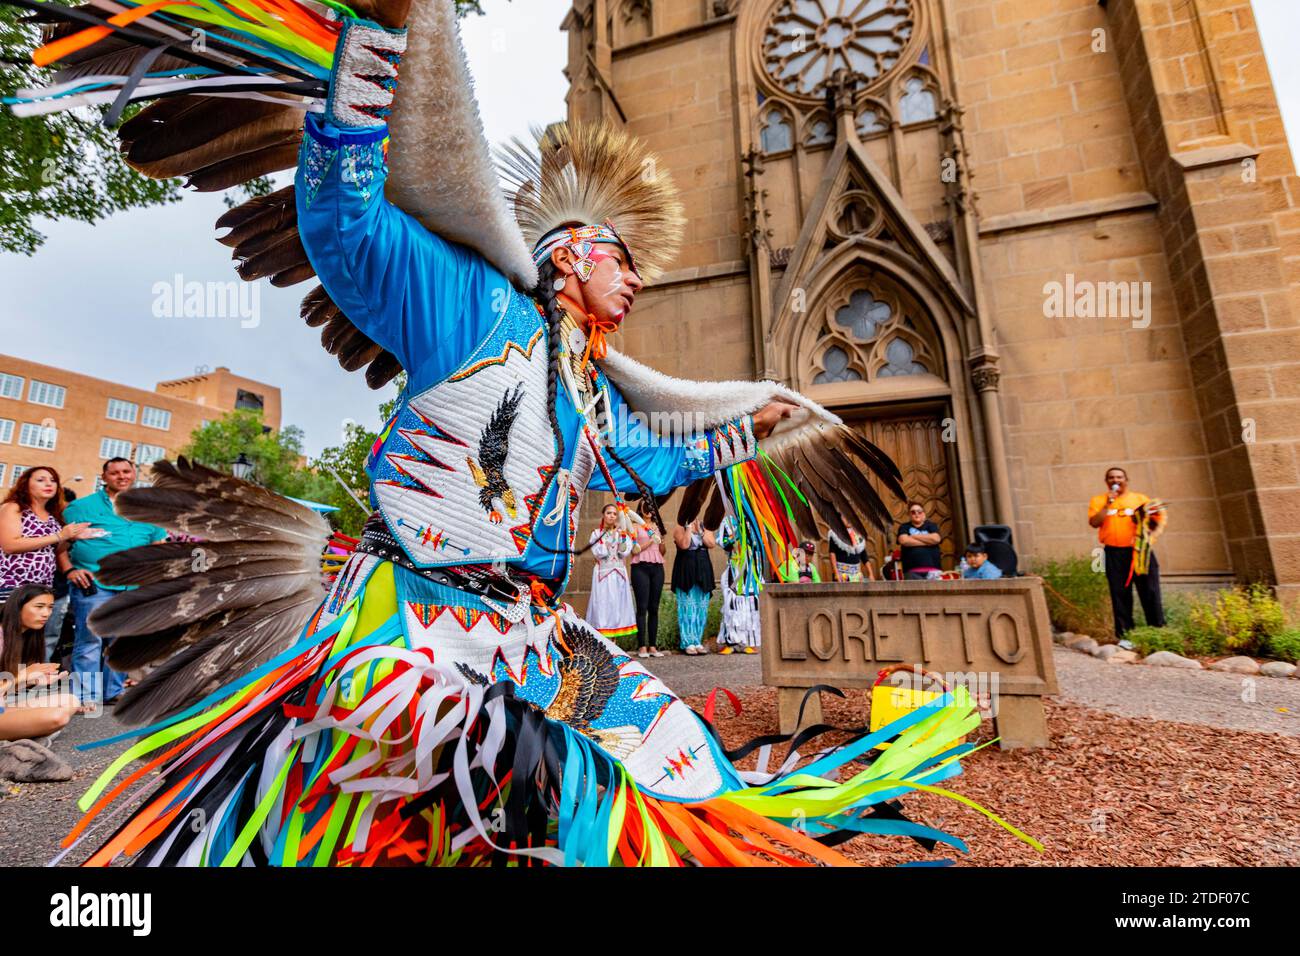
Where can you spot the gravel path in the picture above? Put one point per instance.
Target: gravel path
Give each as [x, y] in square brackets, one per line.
[34, 817]
[1109, 791]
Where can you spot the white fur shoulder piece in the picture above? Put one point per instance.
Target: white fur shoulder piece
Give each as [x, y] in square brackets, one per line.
[708, 404]
[441, 171]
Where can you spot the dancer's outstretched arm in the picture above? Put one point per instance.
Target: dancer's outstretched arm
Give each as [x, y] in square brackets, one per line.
[665, 462]
[426, 300]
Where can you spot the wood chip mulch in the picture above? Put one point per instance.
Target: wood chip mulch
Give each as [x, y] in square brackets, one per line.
[1110, 791]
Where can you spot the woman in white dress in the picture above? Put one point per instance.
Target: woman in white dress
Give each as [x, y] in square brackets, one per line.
[611, 610]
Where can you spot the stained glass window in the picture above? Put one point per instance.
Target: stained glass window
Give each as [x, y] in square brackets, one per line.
[869, 121]
[808, 40]
[820, 133]
[917, 103]
[862, 315]
[900, 359]
[776, 135]
[835, 365]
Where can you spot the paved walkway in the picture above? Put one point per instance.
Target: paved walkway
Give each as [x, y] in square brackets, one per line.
[33, 817]
[1226, 701]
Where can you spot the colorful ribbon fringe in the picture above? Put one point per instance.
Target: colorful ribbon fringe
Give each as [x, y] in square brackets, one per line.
[351, 748]
[764, 533]
[251, 48]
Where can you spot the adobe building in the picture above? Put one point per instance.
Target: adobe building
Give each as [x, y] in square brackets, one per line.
[1014, 241]
[72, 422]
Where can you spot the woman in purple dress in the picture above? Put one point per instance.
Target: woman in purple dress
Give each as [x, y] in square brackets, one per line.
[33, 538]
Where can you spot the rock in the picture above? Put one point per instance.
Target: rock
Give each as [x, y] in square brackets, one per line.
[1277, 669]
[1085, 645]
[1123, 657]
[1063, 637]
[1170, 659]
[1105, 651]
[1236, 665]
[25, 761]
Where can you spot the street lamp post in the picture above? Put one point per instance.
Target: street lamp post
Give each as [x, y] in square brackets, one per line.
[242, 467]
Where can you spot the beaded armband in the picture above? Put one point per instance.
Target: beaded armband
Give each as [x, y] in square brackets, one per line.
[733, 442]
[365, 74]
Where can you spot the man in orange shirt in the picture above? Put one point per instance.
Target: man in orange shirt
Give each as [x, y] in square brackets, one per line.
[1115, 515]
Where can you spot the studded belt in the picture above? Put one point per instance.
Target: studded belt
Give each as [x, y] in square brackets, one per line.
[503, 589]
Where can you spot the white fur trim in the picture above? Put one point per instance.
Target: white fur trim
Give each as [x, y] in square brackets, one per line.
[441, 171]
[713, 403]
[847, 548]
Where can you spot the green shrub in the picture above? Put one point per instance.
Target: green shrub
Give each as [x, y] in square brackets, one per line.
[1247, 618]
[1178, 607]
[1239, 620]
[1284, 645]
[1148, 640]
[1236, 622]
[1270, 616]
[1202, 634]
[1077, 597]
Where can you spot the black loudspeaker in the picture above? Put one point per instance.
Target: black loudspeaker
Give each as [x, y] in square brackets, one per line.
[997, 541]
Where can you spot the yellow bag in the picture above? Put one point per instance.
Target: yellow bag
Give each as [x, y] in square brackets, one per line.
[889, 703]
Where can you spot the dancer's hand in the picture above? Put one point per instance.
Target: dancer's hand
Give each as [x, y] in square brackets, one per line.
[767, 417]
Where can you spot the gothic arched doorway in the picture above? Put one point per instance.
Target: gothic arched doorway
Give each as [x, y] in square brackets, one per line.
[870, 350]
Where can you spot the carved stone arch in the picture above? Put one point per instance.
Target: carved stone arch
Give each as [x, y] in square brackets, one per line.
[631, 21]
[755, 86]
[817, 131]
[863, 263]
[866, 328]
[872, 117]
[777, 129]
[917, 96]
[762, 26]
[856, 212]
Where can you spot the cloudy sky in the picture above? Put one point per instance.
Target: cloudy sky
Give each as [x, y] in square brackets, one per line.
[85, 301]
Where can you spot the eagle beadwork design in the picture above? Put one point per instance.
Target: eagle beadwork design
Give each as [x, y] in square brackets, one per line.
[589, 676]
[493, 448]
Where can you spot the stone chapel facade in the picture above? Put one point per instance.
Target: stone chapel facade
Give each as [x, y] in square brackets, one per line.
[1014, 241]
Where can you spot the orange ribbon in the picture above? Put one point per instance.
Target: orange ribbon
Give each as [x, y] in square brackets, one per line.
[543, 595]
[597, 329]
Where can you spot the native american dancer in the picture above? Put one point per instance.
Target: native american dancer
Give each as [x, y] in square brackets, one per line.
[442, 705]
[847, 558]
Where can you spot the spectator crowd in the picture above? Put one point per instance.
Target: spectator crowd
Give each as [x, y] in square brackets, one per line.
[55, 664]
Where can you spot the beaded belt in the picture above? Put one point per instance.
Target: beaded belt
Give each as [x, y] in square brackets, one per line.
[505, 590]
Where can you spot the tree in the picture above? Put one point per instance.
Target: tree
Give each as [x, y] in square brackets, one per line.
[66, 165]
[278, 462]
[348, 461]
[63, 165]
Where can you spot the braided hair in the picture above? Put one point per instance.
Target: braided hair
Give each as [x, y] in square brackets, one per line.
[548, 296]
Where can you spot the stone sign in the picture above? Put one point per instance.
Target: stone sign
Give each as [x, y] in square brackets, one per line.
[992, 636]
